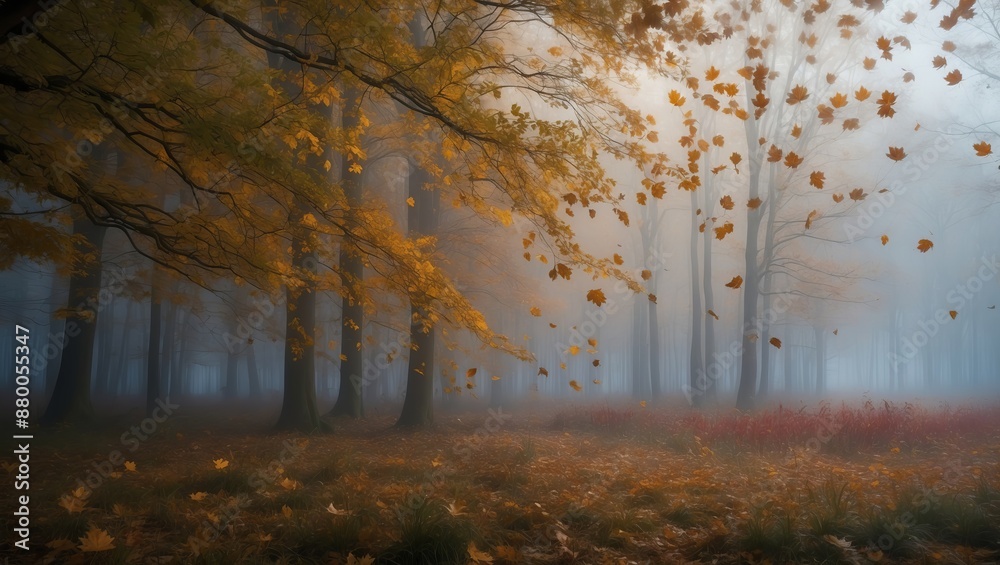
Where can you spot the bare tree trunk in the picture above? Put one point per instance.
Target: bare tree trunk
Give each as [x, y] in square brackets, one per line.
[153, 348]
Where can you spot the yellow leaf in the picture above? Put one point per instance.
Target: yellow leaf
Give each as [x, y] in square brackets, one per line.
[536, 311]
[411, 202]
[574, 349]
[286, 511]
[96, 540]
[675, 98]
[355, 168]
[736, 282]
[220, 463]
[72, 504]
[495, 378]
[289, 484]
[198, 496]
[924, 245]
[130, 466]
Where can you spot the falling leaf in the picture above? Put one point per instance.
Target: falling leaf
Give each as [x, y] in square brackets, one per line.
[651, 297]
[798, 94]
[775, 342]
[948, 46]
[575, 386]
[982, 149]
[286, 511]
[774, 154]
[816, 178]
[924, 245]
[646, 274]
[596, 296]
[954, 77]
[869, 63]
[885, 239]
[736, 158]
[838, 198]
[858, 194]
[896, 153]
[471, 372]
[411, 202]
[96, 540]
[792, 160]
[574, 350]
[723, 230]
[72, 504]
[535, 311]
[543, 371]
[495, 378]
[796, 131]
[355, 168]
[675, 98]
[885, 103]
[851, 124]
[198, 496]
[838, 100]
[862, 94]
[712, 314]
[953, 314]
[220, 464]
[736, 282]
[835, 332]
[726, 202]
[130, 466]
[939, 62]
[908, 17]
[753, 203]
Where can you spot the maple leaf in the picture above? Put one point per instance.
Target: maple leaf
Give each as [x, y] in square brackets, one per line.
[851, 124]
[575, 386]
[796, 131]
[726, 202]
[675, 98]
[596, 296]
[825, 114]
[774, 154]
[798, 94]
[924, 245]
[753, 203]
[722, 231]
[792, 160]
[896, 153]
[72, 504]
[651, 297]
[838, 100]
[862, 94]
[736, 158]
[885, 103]
[711, 313]
[718, 141]
[640, 197]
[858, 194]
[982, 149]
[954, 77]
[838, 198]
[909, 17]
[869, 63]
[775, 342]
[220, 463]
[96, 540]
[736, 282]
[939, 62]
[948, 46]
[885, 239]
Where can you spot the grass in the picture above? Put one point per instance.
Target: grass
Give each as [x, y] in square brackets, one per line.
[607, 484]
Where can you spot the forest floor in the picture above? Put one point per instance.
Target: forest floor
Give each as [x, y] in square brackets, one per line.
[546, 483]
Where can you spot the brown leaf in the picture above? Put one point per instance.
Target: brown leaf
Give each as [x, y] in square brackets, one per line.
[736, 282]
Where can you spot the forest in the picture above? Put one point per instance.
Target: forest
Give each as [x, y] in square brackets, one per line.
[500, 281]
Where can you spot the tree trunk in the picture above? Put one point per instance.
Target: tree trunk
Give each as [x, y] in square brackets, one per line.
[253, 376]
[820, 360]
[418, 404]
[697, 378]
[71, 394]
[153, 350]
[748, 361]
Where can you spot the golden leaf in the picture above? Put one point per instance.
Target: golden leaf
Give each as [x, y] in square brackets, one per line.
[736, 282]
[96, 540]
[924, 245]
[596, 296]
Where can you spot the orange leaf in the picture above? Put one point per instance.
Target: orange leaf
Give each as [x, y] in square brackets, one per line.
[798, 94]
[857, 194]
[796, 131]
[838, 198]
[596, 296]
[675, 98]
[713, 314]
[792, 160]
[869, 63]
[471, 373]
[575, 386]
[724, 230]
[812, 216]
[753, 203]
[646, 274]
[543, 371]
[948, 46]
[712, 73]
[536, 311]
[953, 314]
[736, 158]
[726, 202]
[908, 17]
[774, 154]
[954, 77]
[885, 239]
[924, 245]
[896, 153]
[736, 282]
[939, 62]
[982, 149]
[816, 178]
[862, 94]
[775, 342]
[851, 124]
[838, 100]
